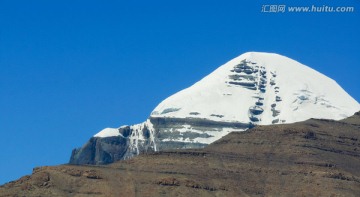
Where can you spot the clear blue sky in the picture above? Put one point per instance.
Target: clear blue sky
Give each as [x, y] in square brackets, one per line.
[70, 68]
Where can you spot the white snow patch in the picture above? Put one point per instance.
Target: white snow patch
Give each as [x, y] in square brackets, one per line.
[108, 132]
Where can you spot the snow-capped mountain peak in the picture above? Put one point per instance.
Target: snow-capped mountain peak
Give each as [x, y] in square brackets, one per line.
[251, 89]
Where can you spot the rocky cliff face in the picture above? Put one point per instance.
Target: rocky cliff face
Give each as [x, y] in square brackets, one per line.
[100, 151]
[157, 134]
[252, 89]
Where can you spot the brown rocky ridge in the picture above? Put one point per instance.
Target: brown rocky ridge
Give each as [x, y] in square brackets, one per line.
[310, 158]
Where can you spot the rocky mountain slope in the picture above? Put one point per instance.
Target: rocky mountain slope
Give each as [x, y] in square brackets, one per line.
[316, 157]
[252, 89]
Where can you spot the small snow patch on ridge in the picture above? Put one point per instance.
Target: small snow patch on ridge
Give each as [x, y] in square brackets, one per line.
[108, 132]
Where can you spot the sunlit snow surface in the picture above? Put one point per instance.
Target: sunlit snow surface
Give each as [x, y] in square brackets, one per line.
[253, 88]
[304, 93]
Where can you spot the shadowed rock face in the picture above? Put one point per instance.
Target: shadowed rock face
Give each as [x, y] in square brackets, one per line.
[311, 158]
[100, 151]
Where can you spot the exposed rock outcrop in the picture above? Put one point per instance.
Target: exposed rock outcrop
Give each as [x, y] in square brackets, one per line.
[100, 151]
[154, 135]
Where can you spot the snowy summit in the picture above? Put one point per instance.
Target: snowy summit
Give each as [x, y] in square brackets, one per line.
[263, 88]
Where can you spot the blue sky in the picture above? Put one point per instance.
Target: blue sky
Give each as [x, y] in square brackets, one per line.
[71, 68]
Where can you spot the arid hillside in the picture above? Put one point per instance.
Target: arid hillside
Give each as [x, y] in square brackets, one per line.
[311, 158]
